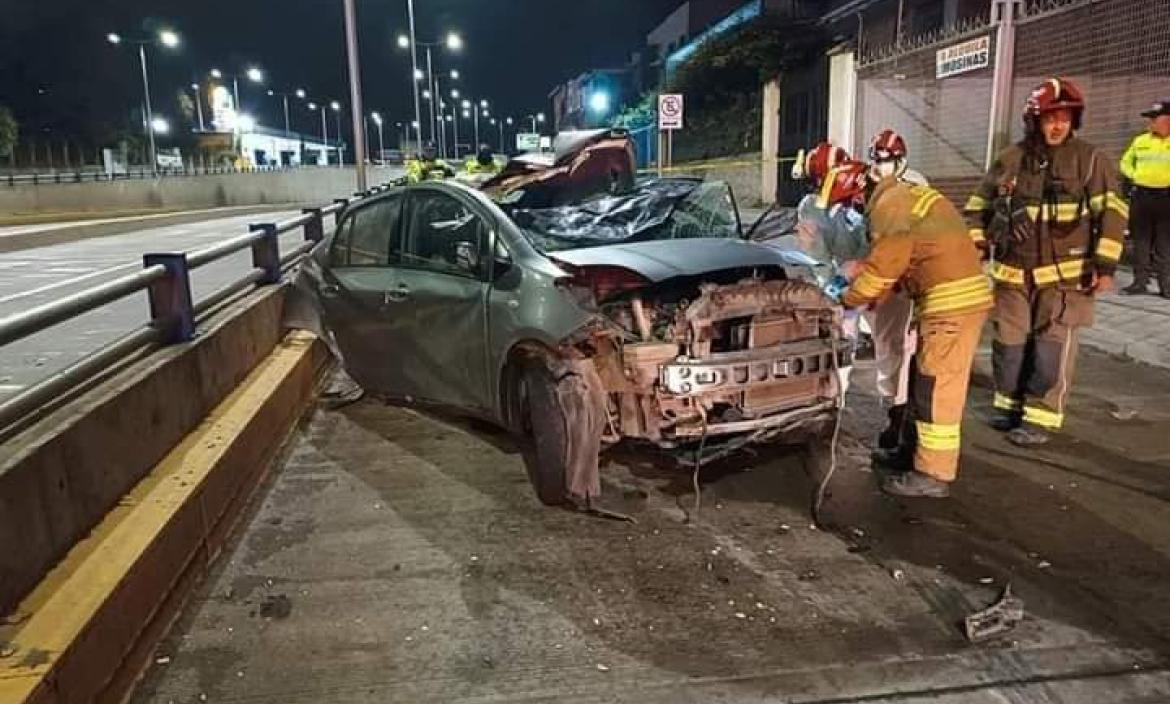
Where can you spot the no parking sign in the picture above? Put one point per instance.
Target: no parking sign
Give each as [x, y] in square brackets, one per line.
[670, 111]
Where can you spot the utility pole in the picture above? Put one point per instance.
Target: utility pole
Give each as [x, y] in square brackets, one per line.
[355, 91]
[414, 74]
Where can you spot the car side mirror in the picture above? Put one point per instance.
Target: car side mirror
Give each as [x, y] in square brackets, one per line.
[501, 265]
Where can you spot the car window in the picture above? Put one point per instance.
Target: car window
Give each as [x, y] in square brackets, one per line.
[445, 235]
[370, 236]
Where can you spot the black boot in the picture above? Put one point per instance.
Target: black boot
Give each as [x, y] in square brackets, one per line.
[1028, 435]
[916, 484]
[895, 433]
[1004, 421]
[1136, 289]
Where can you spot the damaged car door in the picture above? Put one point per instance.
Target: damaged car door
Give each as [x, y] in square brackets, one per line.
[439, 299]
[355, 291]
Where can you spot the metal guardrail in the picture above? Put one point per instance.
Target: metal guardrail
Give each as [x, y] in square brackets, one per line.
[173, 313]
[14, 179]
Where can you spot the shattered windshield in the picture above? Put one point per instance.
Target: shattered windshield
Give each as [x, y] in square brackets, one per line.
[657, 209]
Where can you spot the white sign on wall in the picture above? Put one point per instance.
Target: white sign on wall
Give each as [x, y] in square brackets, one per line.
[527, 141]
[670, 111]
[961, 58]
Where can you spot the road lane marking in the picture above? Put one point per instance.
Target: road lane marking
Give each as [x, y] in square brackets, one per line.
[68, 282]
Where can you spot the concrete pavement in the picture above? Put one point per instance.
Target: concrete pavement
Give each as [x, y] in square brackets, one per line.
[401, 556]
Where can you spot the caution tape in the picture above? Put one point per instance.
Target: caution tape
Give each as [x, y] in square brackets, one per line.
[712, 165]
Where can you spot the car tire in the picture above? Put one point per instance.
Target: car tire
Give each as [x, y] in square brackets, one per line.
[549, 433]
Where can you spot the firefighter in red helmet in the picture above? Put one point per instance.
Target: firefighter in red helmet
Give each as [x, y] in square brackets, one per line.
[1050, 215]
[888, 156]
[919, 243]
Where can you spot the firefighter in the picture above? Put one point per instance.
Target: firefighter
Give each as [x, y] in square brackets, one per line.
[919, 242]
[827, 235]
[428, 167]
[482, 164]
[1147, 165]
[890, 321]
[1050, 215]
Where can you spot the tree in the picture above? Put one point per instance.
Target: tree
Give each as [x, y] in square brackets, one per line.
[9, 132]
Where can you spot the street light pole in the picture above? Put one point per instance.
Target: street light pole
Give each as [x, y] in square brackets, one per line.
[149, 110]
[287, 128]
[455, 122]
[475, 121]
[198, 105]
[431, 87]
[236, 93]
[325, 134]
[414, 73]
[355, 90]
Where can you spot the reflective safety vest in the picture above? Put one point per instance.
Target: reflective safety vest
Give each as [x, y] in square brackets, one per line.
[1147, 161]
[920, 242]
[1072, 200]
[474, 167]
[420, 170]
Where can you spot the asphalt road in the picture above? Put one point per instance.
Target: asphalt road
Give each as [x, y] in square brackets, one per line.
[36, 276]
[401, 557]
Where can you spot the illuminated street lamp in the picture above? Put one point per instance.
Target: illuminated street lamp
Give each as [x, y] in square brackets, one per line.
[159, 125]
[168, 39]
[452, 42]
[300, 93]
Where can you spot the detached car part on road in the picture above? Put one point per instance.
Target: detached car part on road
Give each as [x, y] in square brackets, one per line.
[641, 316]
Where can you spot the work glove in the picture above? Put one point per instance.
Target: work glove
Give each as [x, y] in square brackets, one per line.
[836, 287]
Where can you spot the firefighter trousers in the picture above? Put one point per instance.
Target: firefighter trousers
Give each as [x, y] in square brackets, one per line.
[1149, 227]
[894, 341]
[1035, 350]
[938, 388]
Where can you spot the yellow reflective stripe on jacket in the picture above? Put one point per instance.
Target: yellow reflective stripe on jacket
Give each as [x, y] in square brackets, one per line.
[938, 436]
[976, 204]
[1007, 274]
[964, 294]
[1063, 212]
[977, 234]
[925, 203]
[1043, 418]
[1110, 250]
[1109, 201]
[1062, 271]
[870, 286]
[1007, 403]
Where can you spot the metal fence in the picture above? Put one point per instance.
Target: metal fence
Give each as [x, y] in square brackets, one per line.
[1117, 50]
[173, 313]
[945, 122]
[96, 176]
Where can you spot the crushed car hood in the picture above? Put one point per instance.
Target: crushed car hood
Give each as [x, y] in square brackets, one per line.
[660, 260]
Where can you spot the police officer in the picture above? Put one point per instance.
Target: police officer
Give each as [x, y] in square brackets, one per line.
[920, 243]
[482, 164]
[1147, 165]
[428, 167]
[1050, 213]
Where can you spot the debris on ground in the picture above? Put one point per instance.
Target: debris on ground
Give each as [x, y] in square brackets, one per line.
[1124, 414]
[999, 618]
[986, 580]
[897, 574]
[602, 668]
[1044, 564]
[164, 660]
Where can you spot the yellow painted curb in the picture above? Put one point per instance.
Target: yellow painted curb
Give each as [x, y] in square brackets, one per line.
[74, 632]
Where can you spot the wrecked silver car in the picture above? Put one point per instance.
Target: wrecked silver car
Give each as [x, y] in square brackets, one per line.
[643, 316]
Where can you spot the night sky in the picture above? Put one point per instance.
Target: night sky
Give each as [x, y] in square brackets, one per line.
[516, 51]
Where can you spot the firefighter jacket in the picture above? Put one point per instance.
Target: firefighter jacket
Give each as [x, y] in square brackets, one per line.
[920, 243]
[427, 170]
[1049, 221]
[1147, 161]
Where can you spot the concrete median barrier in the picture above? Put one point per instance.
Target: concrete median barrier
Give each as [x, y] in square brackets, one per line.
[308, 185]
[111, 507]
